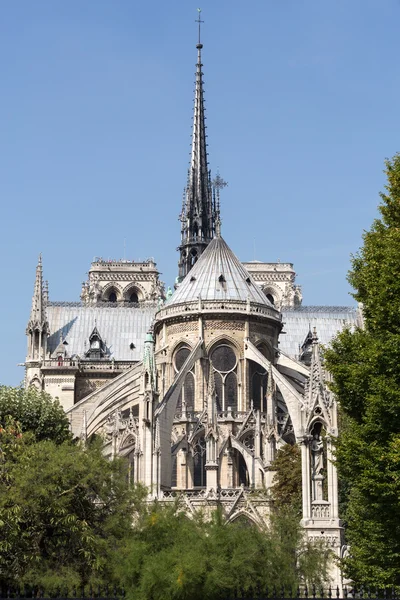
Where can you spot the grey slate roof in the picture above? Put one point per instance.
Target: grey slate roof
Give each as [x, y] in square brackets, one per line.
[328, 320]
[118, 327]
[121, 326]
[204, 278]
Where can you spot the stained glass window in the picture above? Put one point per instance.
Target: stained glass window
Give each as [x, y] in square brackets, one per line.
[224, 362]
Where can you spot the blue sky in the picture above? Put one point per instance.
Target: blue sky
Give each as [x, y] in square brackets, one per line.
[96, 104]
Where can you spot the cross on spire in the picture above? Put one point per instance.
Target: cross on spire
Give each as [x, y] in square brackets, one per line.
[199, 21]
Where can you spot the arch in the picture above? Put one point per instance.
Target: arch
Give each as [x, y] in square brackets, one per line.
[35, 382]
[317, 419]
[250, 431]
[245, 514]
[265, 347]
[275, 292]
[176, 346]
[247, 456]
[110, 289]
[224, 339]
[225, 360]
[128, 443]
[188, 391]
[133, 288]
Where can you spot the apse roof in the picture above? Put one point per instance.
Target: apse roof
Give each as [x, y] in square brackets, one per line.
[218, 275]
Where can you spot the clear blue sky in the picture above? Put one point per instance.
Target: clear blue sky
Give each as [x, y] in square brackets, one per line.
[96, 103]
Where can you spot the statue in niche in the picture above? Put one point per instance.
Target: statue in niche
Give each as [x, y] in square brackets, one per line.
[317, 453]
[317, 463]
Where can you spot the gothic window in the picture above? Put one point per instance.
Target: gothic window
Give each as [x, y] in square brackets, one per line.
[112, 296]
[134, 298]
[224, 361]
[174, 476]
[258, 386]
[241, 474]
[193, 257]
[187, 393]
[199, 463]
[271, 298]
[180, 357]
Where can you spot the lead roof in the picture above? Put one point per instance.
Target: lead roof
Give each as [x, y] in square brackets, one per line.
[218, 275]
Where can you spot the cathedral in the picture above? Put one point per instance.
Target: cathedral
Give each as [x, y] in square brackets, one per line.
[197, 387]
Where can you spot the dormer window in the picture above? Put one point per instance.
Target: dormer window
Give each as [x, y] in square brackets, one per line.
[97, 348]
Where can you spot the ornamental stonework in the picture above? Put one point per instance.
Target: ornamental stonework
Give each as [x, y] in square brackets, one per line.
[224, 325]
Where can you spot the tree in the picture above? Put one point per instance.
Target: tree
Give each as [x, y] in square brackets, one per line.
[35, 411]
[365, 365]
[171, 556]
[287, 484]
[64, 509]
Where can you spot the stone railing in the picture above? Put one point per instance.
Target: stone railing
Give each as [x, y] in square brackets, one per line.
[148, 262]
[203, 493]
[226, 415]
[87, 365]
[199, 307]
[145, 304]
[320, 510]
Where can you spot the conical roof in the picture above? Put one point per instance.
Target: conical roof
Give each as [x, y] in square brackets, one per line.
[218, 275]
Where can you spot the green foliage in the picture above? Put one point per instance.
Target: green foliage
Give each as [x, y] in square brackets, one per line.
[35, 411]
[365, 365]
[63, 511]
[170, 556]
[287, 485]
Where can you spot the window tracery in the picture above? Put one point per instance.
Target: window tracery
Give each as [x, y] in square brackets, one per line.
[187, 394]
[199, 462]
[225, 366]
[258, 386]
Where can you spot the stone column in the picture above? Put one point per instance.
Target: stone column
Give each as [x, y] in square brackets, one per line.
[305, 478]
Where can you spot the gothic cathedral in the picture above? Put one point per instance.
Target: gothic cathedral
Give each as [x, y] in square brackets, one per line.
[197, 388]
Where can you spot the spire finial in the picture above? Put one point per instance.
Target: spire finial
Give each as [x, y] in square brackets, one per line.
[199, 21]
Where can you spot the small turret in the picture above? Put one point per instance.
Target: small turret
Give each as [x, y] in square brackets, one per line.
[38, 327]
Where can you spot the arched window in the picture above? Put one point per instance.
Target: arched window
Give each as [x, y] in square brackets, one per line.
[112, 296]
[193, 257]
[271, 298]
[258, 386]
[199, 463]
[241, 474]
[187, 394]
[134, 298]
[224, 361]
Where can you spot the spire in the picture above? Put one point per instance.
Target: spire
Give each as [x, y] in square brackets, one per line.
[38, 326]
[199, 211]
[38, 319]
